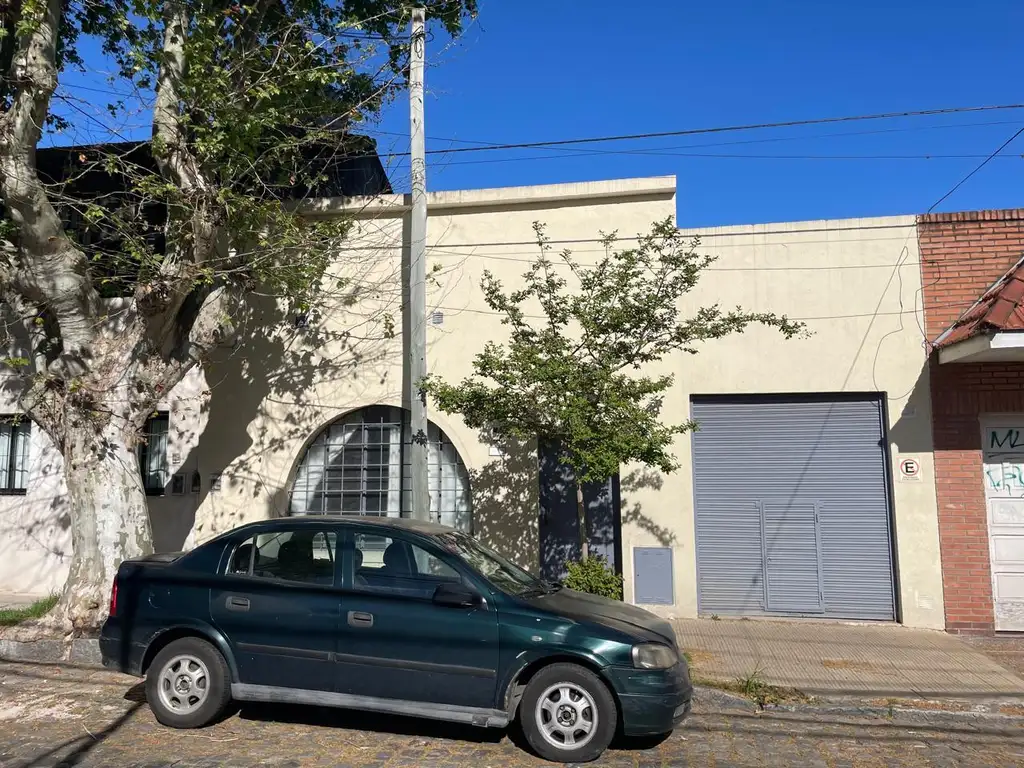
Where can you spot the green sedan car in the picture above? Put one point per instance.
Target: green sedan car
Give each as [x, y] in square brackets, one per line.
[391, 616]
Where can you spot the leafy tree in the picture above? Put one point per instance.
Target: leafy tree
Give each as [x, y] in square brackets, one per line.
[574, 374]
[125, 287]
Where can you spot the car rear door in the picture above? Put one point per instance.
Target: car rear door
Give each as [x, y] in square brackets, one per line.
[279, 608]
[394, 642]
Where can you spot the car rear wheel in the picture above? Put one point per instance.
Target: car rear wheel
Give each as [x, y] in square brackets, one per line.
[568, 714]
[188, 685]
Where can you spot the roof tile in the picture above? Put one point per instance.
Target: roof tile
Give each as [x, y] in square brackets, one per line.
[1000, 308]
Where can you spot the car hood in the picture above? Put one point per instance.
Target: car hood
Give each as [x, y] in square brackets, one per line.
[580, 606]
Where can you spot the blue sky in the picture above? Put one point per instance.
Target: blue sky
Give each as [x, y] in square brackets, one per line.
[534, 70]
[551, 69]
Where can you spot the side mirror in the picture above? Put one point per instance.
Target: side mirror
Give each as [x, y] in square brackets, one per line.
[455, 595]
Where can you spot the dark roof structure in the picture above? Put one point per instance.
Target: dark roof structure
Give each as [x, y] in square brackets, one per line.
[1000, 308]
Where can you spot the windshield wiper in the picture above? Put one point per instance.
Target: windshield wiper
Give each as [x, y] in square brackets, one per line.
[543, 588]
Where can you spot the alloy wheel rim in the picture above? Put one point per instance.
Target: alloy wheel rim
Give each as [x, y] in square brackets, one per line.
[567, 716]
[184, 684]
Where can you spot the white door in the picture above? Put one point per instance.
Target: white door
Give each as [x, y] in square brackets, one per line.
[1004, 492]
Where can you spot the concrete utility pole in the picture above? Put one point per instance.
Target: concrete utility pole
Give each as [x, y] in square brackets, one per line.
[417, 351]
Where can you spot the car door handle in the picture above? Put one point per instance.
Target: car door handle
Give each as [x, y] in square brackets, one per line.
[238, 603]
[360, 619]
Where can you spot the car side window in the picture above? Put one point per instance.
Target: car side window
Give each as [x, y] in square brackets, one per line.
[303, 556]
[393, 566]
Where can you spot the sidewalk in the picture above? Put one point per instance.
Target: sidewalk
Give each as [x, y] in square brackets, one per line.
[10, 600]
[874, 662]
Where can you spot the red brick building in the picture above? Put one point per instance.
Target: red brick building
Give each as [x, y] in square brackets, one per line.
[973, 292]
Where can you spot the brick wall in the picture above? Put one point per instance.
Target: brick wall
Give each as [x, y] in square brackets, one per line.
[962, 254]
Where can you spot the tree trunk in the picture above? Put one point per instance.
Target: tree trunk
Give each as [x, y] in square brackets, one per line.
[581, 515]
[109, 518]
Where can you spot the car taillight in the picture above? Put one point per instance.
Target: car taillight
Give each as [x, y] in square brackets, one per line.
[113, 598]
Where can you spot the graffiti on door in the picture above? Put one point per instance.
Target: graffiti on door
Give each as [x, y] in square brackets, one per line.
[1004, 440]
[1005, 478]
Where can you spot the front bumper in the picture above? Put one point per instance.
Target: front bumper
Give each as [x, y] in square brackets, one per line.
[653, 702]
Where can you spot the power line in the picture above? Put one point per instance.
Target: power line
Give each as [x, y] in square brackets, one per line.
[787, 268]
[687, 231]
[106, 91]
[771, 139]
[718, 129]
[726, 156]
[981, 165]
[667, 151]
[523, 257]
[920, 291]
[897, 271]
[799, 319]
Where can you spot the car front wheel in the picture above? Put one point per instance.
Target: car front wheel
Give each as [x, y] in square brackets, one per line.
[188, 685]
[568, 714]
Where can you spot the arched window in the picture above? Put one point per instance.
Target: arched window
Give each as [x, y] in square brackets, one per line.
[360, 465]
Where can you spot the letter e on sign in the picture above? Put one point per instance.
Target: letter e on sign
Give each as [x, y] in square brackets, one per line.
[910, 470]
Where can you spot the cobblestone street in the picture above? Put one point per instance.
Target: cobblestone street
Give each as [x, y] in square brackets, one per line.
[54, 716]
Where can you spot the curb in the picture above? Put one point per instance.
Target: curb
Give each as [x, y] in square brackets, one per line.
[85, 652]
[80, 651]
[1004, 710]
[705, 697]
[904, 714]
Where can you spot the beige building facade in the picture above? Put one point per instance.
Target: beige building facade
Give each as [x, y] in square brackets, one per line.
[304, 414]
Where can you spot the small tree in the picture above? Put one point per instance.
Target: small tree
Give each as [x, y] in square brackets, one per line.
[573, 374]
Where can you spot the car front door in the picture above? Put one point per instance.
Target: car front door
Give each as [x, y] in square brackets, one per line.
[395, 642]
[278, 606]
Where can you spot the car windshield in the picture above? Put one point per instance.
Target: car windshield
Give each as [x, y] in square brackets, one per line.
[506, 576]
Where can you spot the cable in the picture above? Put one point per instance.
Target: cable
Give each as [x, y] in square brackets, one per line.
[920, 291]
[832, 135]
[981, 165]
[799, 319]
[721, 156]
[718, 129]
[688, 231]
[669, 151]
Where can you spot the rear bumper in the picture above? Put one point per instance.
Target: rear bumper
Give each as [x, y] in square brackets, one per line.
[653, 702]
[118, 655]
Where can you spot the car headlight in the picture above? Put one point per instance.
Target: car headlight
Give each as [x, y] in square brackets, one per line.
[654, 656]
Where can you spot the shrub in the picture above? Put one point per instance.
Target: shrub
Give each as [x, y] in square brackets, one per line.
[594, 576]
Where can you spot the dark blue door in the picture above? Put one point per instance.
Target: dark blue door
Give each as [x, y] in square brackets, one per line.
[559, 528]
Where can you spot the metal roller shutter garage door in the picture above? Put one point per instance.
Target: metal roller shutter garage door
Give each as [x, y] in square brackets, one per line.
[792, 508]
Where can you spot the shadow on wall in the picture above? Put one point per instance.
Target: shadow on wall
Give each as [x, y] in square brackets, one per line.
[263, 398]
[911, 430]
[505, 502]
[35, 543]
[35, 528]
[638, 481]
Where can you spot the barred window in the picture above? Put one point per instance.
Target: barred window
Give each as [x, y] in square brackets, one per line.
[15, 434]
[153, 454]
[360, 465]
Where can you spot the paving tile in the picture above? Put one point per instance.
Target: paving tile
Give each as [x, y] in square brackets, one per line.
[844, 659]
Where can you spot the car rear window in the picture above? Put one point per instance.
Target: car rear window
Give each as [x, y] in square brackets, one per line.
[291, 555]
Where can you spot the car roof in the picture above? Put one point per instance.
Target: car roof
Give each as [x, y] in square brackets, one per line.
[422, 527]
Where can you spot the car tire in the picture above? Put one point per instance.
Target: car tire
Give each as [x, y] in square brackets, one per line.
[567, 714]
[188, 685]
